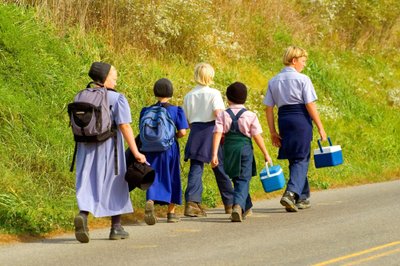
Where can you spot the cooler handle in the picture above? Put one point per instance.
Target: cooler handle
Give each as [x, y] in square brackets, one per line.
[266, 167]
[319, 144]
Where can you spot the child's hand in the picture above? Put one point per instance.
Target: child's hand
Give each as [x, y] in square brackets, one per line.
[214, 161]
[268, 159]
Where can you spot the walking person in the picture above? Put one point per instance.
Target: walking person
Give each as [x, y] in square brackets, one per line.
[201, 105]
[100, 185]
[238, 126]
[294, 95]
[166, 188]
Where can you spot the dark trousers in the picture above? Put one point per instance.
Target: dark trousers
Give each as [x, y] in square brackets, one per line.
[242, 182]
[194, 189]
[298, 180]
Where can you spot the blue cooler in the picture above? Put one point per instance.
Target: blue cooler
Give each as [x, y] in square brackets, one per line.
[272, 178]
[328, 156]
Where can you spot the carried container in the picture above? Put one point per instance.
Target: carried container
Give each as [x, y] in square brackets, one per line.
[328, 156]
[272, 178]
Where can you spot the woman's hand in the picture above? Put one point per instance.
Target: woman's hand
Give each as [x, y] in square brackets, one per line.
[276, 139]
[140, 157]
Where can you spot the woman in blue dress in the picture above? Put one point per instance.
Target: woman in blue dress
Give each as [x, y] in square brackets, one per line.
[98, 189]
[166, 188]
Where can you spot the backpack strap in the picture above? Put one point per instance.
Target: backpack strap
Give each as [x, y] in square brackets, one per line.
[71, 169]
[235, 118]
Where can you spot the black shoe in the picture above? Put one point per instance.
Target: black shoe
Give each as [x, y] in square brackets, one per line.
[172, 218]
[149, 215]
[81, 229]
[303, 204]
[289, 202]
[118, 233]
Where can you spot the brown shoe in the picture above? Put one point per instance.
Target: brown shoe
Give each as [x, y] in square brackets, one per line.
[149, 215]
[228, 209]
[192, 209]
[236, 214]
[247, 213]
[203, 210]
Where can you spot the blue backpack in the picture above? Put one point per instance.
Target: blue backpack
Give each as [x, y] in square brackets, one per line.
[157, 129]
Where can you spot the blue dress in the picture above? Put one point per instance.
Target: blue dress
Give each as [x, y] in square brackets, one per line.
[167, 183]
[98, 190]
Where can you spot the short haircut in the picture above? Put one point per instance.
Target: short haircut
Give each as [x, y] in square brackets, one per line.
[204, 74]
[293, 52]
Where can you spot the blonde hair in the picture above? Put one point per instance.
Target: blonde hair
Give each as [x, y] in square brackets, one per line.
[204, 74]
[293, 52]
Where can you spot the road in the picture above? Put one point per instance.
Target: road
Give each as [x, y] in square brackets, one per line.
[350, 226]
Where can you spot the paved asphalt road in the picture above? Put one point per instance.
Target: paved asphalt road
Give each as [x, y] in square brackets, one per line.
[350, 226]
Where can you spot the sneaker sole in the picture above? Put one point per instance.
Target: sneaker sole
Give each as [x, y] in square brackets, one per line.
[81, 234]
[193, 214]
[236, 217]
[149, 216]
[302, 207]
[290, 207]
[118, 237]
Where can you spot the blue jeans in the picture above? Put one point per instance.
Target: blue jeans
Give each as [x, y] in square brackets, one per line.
[242, 183]
[298, 180]
[194, 189]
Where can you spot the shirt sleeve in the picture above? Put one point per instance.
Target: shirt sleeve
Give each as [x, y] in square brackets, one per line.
[255, 127]
[309, 94]
[218, 103]
[181, 121]
[122, 111]
[219, 123]
[268, 99]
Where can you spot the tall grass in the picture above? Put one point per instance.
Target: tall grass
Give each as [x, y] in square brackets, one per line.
[46, 48]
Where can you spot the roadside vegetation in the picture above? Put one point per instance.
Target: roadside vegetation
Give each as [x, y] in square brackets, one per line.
[47, 46]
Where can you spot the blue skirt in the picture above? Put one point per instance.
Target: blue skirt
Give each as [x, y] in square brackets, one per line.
[199, 144]
[295, 129]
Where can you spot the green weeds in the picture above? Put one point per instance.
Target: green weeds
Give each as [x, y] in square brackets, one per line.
[42, 67]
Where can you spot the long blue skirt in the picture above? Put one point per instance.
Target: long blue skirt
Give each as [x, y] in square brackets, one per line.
[166, 187]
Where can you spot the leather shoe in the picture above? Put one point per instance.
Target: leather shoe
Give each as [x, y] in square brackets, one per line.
[236, 214]
[149, 215]
[228, 209]
[289, 202]
[172, 218]
[192, 209]
[81, 229]
[118, 233]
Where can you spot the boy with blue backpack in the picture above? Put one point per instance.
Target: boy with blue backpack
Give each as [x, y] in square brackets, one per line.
[160, 126]
[238, 126]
